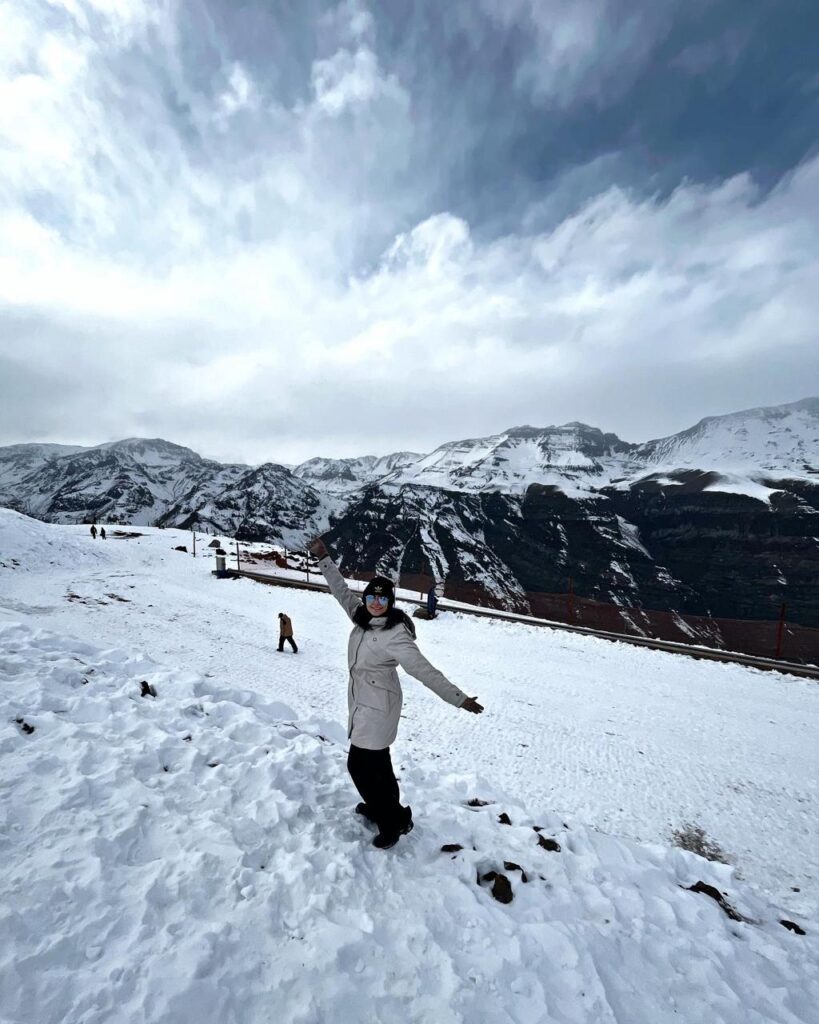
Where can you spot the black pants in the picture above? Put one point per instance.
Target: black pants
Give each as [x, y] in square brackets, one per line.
[291, 641]
[374, 778]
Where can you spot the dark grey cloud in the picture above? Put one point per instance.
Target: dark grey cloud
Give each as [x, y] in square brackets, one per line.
[258, 229]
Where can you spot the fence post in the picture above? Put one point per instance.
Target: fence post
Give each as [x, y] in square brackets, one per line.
[238, 564]
[780, 631]
[570, 600]
[307, 564]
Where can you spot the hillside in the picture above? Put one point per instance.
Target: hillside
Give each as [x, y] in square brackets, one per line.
[716, 522]
[192, 857]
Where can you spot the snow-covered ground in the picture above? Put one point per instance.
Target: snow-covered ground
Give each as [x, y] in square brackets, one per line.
[193, 857]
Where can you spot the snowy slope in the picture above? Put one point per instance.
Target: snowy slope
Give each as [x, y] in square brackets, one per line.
[780, 440]
[143, 482]
[135, 480]
[20, 461]
[633, 741]
[573, 456]
[192, 857]
[262, 503]
[343, 476]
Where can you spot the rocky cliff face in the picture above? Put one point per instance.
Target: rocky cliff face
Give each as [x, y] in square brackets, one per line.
[721, 519]
[267, 503]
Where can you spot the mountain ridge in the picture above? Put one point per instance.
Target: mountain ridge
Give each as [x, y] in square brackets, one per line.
[717, 520]
[525, 431]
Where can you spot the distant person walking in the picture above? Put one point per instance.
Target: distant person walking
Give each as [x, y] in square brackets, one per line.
[102, 533]
[93, 532]
[432, 603]
[286, 633]
[382, 638]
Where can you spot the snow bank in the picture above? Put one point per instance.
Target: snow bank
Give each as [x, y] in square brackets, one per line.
[193, 857]
[33, 546]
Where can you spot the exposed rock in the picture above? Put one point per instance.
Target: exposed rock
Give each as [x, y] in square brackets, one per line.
[510, 865]
[548, 844]
[502, 889]
[718, 897]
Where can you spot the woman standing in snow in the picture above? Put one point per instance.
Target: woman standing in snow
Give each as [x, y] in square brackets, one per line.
[382, 638]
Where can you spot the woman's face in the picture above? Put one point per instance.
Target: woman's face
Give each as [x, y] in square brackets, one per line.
[376, 604]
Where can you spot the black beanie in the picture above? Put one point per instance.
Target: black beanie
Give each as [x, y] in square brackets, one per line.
[383, 586]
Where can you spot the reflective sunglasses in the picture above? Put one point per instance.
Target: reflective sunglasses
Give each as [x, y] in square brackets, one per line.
[380, 598]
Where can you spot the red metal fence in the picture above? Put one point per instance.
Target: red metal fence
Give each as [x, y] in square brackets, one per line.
[764, 638]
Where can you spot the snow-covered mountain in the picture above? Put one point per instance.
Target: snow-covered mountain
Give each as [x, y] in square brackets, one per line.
[572, 456]
[19, 461]
[135, 480]
[779, 441]
[264, 503]
[747, 447]
[718, 520]
[146, 482]
[343, 476]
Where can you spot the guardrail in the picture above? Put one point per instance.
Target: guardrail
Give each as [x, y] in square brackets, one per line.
[688, 650]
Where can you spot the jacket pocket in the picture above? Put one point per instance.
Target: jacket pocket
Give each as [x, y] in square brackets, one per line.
[371, 695]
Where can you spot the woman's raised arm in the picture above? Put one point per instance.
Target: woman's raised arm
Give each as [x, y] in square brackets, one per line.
[335, 581]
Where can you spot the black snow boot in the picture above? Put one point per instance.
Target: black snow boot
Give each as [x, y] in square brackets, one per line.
[365, 812]
[385, 839]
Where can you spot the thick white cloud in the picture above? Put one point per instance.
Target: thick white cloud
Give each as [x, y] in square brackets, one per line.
[246, 277]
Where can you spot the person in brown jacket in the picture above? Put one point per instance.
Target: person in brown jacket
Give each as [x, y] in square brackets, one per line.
[286, 633]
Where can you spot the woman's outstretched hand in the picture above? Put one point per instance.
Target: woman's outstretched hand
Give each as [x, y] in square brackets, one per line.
[471, 704]
[318, 548]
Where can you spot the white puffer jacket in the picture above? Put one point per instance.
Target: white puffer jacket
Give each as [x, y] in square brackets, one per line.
[374, 694]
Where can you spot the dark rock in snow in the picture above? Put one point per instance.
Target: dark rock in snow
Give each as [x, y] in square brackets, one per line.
[548, 844]
[146, 690]
[510, 865]
[502, 889]
[792, 926]
[504, 819]
[718, 897]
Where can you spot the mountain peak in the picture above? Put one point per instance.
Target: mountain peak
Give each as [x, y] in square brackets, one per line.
[144, 445]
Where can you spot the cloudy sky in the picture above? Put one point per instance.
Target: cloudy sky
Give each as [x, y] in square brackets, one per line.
[272, 230]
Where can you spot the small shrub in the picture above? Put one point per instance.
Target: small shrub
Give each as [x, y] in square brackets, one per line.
[693, 838]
